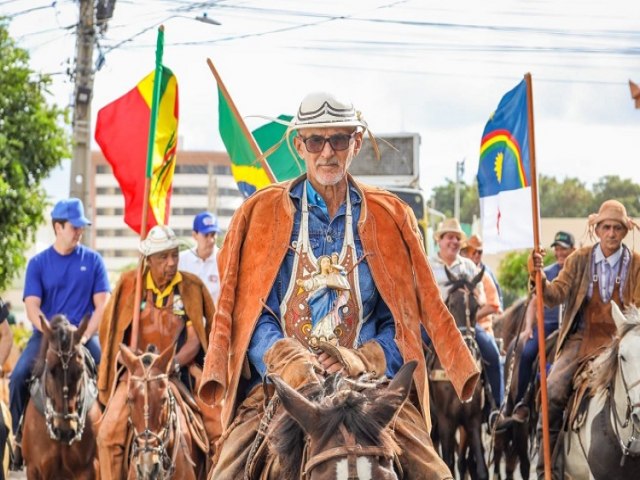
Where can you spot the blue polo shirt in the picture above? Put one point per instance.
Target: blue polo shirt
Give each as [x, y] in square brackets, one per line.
[66, 283]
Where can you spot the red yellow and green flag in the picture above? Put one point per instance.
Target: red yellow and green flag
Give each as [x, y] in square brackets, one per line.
[122, 132]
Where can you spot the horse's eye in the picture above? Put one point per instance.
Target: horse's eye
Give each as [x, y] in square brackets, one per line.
[622, 358]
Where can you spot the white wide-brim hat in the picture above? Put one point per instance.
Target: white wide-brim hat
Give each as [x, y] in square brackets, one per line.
[159, 239]
[324, 110]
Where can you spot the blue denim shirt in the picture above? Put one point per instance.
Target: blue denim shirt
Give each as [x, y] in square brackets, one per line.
[326, 236]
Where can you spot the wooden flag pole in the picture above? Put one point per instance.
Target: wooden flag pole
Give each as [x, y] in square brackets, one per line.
[252, 142]
[153, 122]
[539, 297]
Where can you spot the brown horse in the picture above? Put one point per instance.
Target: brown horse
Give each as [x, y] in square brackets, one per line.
[448, 411]
[59, 437]
[162, 446]
[345, 427]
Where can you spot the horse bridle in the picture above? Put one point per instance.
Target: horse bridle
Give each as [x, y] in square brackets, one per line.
[351, 450]
[162, 438]
[632, 446]
[467, 308]
[50, 413]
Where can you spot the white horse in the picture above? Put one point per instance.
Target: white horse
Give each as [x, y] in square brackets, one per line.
[607, 444]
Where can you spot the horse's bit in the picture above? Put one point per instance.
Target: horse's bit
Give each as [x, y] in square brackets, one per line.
[162, 439]
[351, 450]
[51, 413]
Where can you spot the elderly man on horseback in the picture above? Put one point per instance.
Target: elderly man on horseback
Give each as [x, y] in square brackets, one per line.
[592, 278]
[175, 306]
[269, 318]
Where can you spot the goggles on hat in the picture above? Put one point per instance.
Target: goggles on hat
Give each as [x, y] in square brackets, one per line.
[338, 142]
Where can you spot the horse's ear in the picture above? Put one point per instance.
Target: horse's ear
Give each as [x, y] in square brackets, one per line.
[128, 357]
[301, 410]
[44, 324]
[400, 387]
[478, 278]
[618, 316]
[163, 362]
[82, 327]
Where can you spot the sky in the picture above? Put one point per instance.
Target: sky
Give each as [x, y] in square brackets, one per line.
[435, 68]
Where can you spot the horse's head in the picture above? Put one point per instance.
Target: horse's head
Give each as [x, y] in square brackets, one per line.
[629, 358]
[461, 301]
[61, 369]
[152, 411]
[346, 430]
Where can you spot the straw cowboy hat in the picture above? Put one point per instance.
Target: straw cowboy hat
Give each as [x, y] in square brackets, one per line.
[611, 210]
[449, 225]
[474, 242]
[159, 239]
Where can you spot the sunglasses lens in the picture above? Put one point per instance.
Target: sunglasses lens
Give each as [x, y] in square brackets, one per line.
[340, 141]
[314, 143]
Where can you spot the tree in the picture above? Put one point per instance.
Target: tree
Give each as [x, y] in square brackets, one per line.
[32, 142]
[443, 199]
[614, 187]
[569, 198]
[513, 275]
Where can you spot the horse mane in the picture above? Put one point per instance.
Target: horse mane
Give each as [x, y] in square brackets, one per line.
[506, 324]
[605, 366]
[59, 326]
[339, 404]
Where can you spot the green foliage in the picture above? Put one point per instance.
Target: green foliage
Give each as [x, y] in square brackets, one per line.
[443, 199]
[569, 198]
[21, 335]
[614, 187]
[513, 275]
[32, 142]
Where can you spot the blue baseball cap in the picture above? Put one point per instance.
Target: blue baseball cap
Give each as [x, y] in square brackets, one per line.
[206, 222]
[70, 209]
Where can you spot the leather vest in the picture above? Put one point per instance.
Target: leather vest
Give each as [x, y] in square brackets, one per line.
[599, 326]
[161, 326]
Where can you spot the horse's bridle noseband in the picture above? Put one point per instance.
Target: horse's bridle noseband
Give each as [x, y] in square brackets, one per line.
[351, 450]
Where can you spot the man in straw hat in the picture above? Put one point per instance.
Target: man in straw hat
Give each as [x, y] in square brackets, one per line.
[592, 278]
[563, 245]
[449, 237]
[173, 311]
[472, 248]
[264, 324]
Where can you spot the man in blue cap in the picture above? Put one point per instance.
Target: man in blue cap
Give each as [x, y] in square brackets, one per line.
[201, 260]
[66, 278]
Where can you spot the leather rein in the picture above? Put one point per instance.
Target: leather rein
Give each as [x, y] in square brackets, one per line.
[162, 439]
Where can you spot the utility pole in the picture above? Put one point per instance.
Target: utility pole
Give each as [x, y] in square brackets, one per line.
[83, 75]
[459, 174]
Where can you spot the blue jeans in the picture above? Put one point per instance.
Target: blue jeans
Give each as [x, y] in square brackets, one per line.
[491, 356]
[21, 374]
[528, 357]
[492, 366]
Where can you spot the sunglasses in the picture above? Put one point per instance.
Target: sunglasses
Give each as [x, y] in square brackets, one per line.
[338, 142]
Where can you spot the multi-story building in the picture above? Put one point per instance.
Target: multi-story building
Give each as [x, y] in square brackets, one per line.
[202, 181]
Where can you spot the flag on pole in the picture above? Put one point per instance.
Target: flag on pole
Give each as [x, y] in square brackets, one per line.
[504, 176]
[247, 171]
[122, 132]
